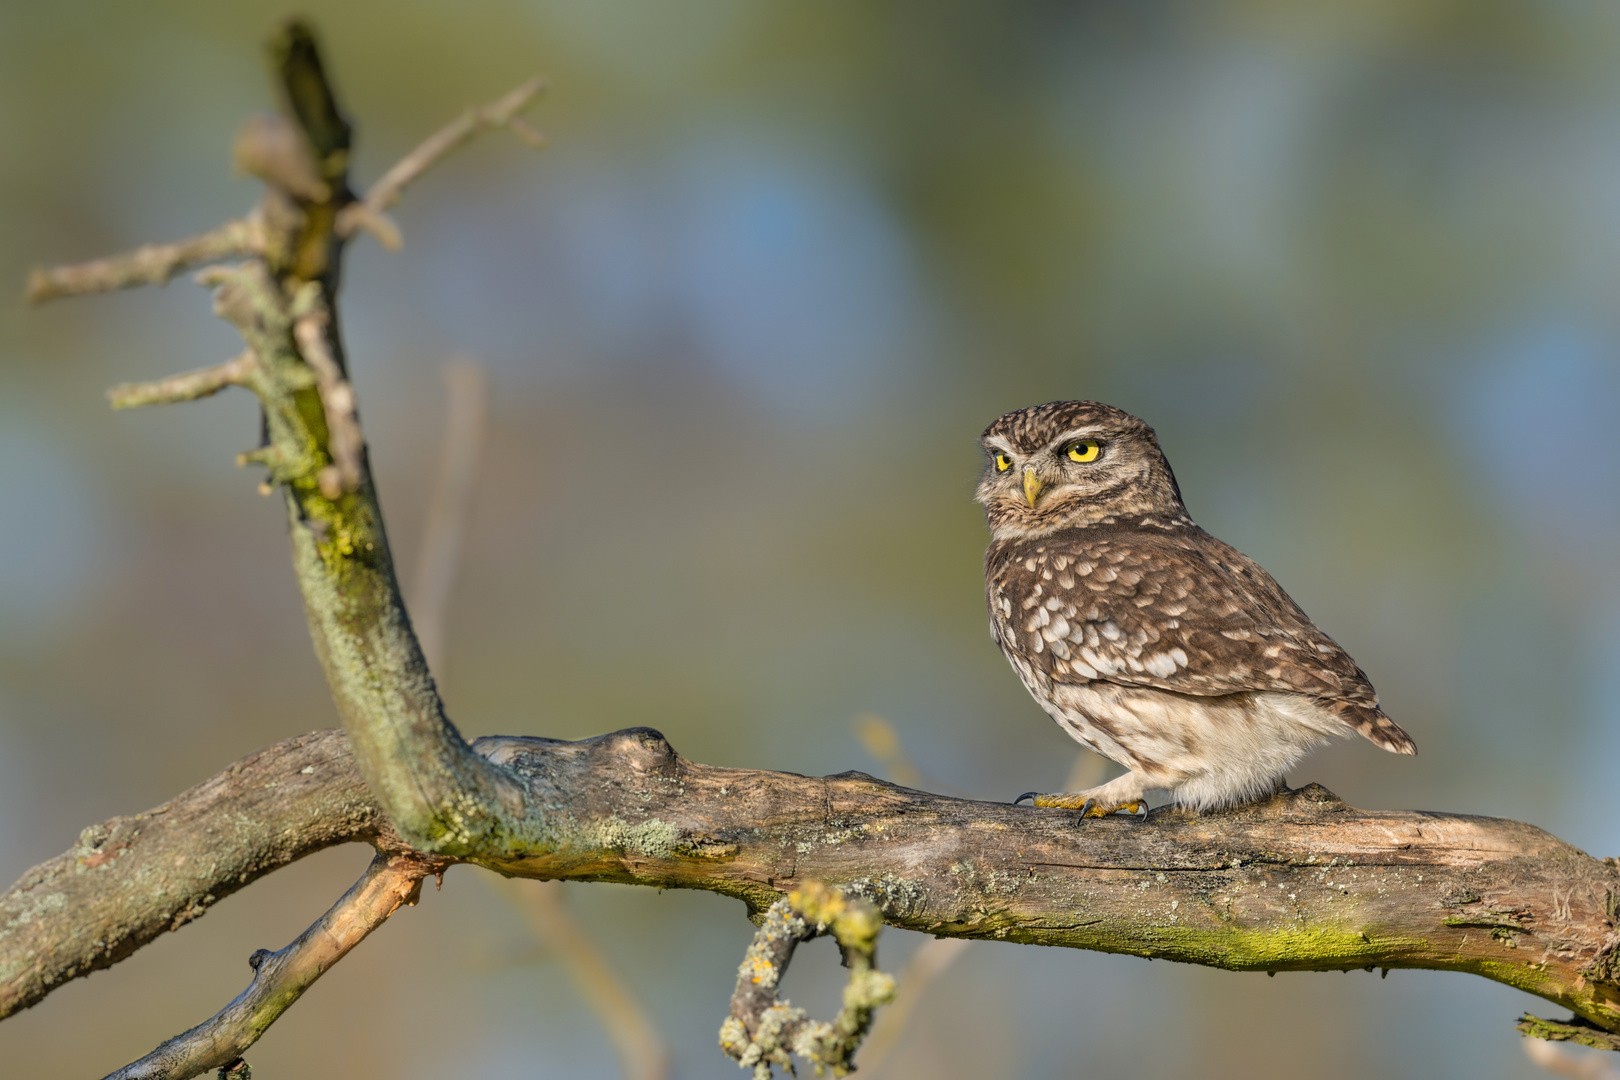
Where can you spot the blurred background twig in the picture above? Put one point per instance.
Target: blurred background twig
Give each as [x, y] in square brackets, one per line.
[642, 1050]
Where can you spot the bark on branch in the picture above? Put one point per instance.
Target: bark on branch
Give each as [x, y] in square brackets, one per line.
[1302, 882]
[130, 879]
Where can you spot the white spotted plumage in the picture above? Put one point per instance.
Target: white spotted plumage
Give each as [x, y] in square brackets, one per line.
[1143, 636]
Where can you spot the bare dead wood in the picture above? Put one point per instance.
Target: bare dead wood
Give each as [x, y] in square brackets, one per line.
[280, 978]
[312, 331]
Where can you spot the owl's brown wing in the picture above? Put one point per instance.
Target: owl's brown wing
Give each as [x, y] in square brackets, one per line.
[1175, 609]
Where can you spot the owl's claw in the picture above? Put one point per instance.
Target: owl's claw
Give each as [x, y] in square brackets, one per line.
[1087, 805]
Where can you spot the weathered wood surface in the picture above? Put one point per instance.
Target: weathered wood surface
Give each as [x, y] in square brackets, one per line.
[1300, 882]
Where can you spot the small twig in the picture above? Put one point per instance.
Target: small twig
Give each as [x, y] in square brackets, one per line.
[467, 390]
[368, 212]
[762, 1030]
[188, 386]
[643, 1051]
[280, 978]
[343, 438]
[151, 264]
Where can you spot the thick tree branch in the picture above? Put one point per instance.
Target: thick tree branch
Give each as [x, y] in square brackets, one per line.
[1302, 882]
[280, 978]
[130, 879]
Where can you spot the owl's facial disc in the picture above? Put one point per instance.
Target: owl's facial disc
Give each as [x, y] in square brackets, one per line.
[1069, 464]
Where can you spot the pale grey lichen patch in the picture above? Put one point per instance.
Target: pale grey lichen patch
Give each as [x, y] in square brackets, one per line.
[653, 838]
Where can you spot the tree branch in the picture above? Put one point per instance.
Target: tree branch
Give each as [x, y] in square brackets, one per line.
[762, 1030]
[152, 264]
[1302, 882]
[130, 879]
[280, 978]
[189, 386]
[370, 213]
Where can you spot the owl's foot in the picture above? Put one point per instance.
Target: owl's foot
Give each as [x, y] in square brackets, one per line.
[1087, 803]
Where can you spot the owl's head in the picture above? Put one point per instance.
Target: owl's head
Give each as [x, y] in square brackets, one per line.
[1069, 463]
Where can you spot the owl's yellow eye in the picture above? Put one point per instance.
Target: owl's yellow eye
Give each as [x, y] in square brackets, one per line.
[1085, 450]
[1003, 463]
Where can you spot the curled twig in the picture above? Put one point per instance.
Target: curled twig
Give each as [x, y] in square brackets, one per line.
[150, 264]
[280, 978]
[369, 213]
[188, 386]
[763, 1030]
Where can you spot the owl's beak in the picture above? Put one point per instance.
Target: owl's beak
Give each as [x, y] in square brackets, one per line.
[1032, 484]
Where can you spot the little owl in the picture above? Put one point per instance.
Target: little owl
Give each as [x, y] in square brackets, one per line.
[1144, 637]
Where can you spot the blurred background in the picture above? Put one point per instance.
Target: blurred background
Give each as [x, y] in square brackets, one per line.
[742, 323]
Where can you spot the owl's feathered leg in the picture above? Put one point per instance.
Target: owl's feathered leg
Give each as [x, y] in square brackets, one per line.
[1123, 793]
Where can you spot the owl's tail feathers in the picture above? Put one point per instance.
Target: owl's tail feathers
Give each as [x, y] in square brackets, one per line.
[1370, 722]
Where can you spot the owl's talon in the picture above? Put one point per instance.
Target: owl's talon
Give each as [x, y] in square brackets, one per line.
[1088, 805]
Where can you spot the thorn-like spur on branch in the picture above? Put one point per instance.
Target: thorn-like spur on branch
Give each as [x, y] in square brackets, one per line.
[187, 387]
[280, 978]
[764, 1030]
[152, 264]
[370, 213]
